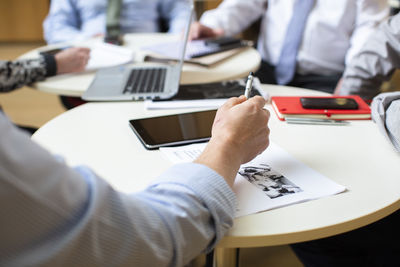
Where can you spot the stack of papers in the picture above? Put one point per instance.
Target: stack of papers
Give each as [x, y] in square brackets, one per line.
[273, 179]
[170, 49]
[209, 55]
[103, 55]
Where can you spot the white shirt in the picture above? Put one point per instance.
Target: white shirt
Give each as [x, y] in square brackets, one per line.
[334, 32]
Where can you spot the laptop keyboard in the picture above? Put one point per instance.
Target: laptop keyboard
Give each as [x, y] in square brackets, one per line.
[146, 80]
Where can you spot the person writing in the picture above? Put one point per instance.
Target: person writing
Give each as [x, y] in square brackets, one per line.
[54, 215]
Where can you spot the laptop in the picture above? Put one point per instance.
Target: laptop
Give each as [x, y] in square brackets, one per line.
[139, 82]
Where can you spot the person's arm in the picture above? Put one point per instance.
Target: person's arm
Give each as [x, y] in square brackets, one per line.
[15, 74]
[72, 20]
[375, 63]
[57, 216]
[385, 112]
[233, 16]
[369, 14]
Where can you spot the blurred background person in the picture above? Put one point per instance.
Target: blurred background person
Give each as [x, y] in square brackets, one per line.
[303, 43]
[374, 244]
[74, 20]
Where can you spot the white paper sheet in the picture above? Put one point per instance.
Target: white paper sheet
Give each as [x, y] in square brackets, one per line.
[200, 103]
[271, 180]
[104, 55]
[170, 49]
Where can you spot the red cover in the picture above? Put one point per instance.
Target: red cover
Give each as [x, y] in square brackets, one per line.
[290, 105]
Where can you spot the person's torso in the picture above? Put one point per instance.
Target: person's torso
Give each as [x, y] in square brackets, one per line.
[326, 36]
[136, 15]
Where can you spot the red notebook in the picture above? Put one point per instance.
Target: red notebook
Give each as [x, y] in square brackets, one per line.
[290, 107]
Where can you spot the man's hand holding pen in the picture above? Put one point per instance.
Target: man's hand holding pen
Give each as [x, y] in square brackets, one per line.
[240, 132]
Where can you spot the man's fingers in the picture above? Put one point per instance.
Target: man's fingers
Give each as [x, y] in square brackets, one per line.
[199, 31]
[85, 50]
[218, 32]
[266, 111]
[194, 31]
[259, 101]
[233, 101]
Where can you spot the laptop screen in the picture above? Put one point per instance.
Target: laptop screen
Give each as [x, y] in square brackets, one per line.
[184, 40]
[175, 47]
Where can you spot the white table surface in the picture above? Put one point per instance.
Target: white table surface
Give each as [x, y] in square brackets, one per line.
[356, 156]
[237, 66]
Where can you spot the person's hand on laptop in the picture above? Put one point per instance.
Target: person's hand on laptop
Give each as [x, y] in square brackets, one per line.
[72, 59]
[240, 132]
[200, 31]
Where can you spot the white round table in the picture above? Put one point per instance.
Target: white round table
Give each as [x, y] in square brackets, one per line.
[356, 156]
[236, 66]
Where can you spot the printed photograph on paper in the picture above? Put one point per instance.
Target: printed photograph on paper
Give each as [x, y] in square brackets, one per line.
[272, 183]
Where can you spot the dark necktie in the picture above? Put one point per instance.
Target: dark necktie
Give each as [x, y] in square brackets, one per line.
[113, 17]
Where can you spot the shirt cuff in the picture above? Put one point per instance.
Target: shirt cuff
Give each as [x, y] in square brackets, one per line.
[50, 64]
[198, 178]
[210, 187]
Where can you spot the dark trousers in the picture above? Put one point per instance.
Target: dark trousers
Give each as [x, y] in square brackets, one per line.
[70, 102]
[266, 74]
[377, 244]
[28, 129]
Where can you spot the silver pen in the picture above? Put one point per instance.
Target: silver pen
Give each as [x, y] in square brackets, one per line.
[315, 121]
[249, 85]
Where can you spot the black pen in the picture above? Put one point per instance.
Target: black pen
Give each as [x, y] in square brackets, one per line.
[249, 85]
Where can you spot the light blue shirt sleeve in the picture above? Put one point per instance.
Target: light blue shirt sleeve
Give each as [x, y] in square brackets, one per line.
[74, 20]
[53, 215]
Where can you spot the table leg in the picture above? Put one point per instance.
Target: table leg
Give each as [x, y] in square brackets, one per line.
[226, 257]
[199, 261]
